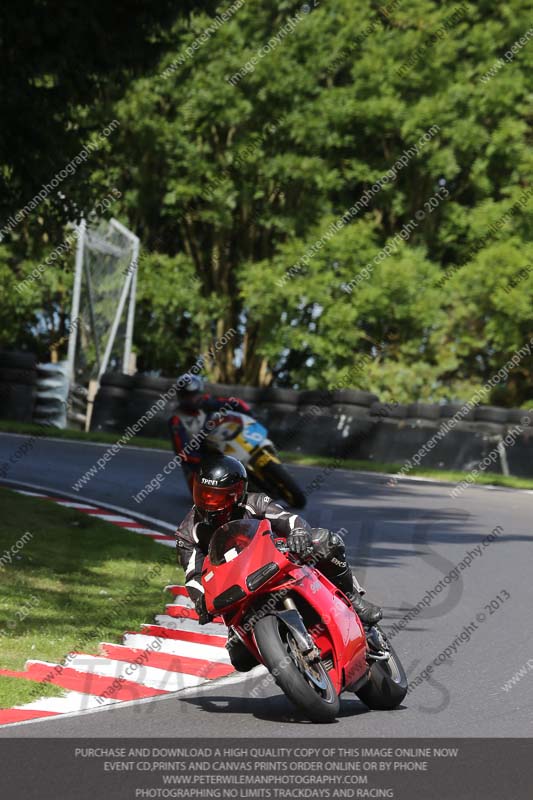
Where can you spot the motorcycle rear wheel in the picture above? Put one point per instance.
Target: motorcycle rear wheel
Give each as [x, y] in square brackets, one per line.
[308, 686]
[387, 683]
[279, 483]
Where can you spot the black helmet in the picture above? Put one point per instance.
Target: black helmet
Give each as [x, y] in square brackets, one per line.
[218, 488]
[190, 389]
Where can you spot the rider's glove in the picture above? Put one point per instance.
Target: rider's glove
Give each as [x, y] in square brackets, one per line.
[201, 610]
[299, 542]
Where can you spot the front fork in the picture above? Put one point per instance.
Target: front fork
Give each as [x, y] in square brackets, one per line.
[294, 622]
[291, 618]
[378, 649]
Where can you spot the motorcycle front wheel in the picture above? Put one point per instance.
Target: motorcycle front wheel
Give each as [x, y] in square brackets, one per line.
[307, 685]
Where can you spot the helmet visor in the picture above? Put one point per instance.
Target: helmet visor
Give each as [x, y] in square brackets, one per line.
[210, 498]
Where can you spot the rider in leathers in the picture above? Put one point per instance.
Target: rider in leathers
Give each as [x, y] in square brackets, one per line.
[196, 408]
[220, 494]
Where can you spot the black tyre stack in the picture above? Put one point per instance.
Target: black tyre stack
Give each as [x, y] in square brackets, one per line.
[18, 377]
[342, 423]
[278, 402]
[146, 391]
[520, 416]
[278, 411]
[492, 415]
[424, 412]
[351, 411]
[352, 403]
[315, 430]
[250, 394]
[111, 402]
[449, 410]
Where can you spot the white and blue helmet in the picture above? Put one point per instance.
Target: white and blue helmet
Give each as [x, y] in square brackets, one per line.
[190, 390]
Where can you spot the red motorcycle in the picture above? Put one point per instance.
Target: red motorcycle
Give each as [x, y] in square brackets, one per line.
[297, 623]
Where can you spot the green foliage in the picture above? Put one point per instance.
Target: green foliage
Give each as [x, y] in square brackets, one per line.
[61, 64]
[36, 299]
[230, 178]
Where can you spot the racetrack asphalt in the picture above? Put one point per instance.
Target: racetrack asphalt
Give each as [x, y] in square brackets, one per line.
[401, 541]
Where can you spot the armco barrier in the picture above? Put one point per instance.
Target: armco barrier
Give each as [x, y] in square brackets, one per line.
[354, 424]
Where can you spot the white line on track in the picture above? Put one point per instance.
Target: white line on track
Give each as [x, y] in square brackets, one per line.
[82, 506]
[114, 518]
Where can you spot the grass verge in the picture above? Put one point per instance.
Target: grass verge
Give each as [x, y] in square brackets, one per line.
[486, 479]
[73, 582]
[45, 431]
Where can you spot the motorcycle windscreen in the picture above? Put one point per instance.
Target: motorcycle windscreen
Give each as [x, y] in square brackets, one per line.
[231, 539]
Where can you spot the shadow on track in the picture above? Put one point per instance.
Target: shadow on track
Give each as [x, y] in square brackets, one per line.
[272, 708]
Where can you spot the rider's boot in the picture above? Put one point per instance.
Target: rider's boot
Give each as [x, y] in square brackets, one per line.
[368, 613]
[334, 565]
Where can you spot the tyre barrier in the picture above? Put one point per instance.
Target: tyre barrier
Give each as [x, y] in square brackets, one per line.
[491, 414]
[315, 398]
[111, 402]
[388, 411]
[16, 359]
[124, 400]
[354, 397]
[351, 408]
[52, 395]
[271, 394]
[423, 411]
[343, 423]
[18, 377]
[117, 379]
[276, 413]
[449, 410]
[151, 383]
[281, 419]
[250, 394]
[398, 441]
[148, 407]
[347, 411]
[520, 416]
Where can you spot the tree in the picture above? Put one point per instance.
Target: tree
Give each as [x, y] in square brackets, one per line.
[269, 161]
[243, 173]
[59, 60]
[63, 66]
